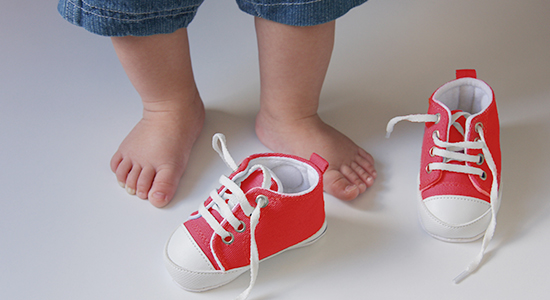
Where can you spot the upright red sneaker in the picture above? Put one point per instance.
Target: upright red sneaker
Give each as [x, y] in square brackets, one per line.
[460, 164]
[227, 235]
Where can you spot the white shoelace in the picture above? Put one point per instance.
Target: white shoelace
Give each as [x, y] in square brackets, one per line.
[223, 202]
[456, 152]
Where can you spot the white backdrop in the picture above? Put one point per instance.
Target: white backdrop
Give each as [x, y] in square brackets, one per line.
[68, 231]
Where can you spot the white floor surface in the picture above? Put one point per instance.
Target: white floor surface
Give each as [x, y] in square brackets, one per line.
[68, 231]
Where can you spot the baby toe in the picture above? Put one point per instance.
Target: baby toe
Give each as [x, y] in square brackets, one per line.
[115, 161]
[366, 163]
[132, 178]
[336, 184]
[364, 176]
[355, 174]
[145, 181]
[122, 170]
[164, 187]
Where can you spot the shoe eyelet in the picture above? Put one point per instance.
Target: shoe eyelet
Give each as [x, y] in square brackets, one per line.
[239, 229]
[228, 239]
[428, 170]
[438, 115]
[481, 159]
[478, 127]
[262, 201]
[483, 176]
[435, 134]
[432, 151]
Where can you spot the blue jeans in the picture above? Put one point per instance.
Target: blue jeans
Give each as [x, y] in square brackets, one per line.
[148, 17]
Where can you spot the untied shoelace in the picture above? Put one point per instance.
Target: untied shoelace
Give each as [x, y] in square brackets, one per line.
[455, 151]
[224, 202]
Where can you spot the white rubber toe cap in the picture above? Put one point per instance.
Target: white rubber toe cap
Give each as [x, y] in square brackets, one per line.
[186, 263]
[190, 267]
[455, 218]
[182, 250]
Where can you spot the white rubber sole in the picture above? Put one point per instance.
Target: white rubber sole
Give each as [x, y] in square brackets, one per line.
[199, 281]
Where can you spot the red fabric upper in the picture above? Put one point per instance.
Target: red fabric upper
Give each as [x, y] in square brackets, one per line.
[437, 182]
[285, 221]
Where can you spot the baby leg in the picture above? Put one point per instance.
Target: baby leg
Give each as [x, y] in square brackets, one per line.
[152, 158]
[293, 64]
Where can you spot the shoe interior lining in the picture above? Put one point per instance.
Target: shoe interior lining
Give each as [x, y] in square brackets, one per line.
[467, 94]
[296, 177]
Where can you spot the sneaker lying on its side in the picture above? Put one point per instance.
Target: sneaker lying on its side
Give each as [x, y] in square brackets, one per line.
[460, 165]
[269, 204]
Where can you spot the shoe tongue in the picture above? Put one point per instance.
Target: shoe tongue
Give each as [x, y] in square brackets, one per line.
[455, 135]
[457, 132]
[255, 179]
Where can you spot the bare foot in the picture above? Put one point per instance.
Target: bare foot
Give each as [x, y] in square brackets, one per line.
[351, 169]
[152, 158]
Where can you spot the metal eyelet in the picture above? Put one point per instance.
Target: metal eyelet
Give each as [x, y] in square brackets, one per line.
[436, 134]
[478, 127]
[432, 151]
[438, 115]
[239, 229]
[483, 176]
[262, 201]
[481, 159]
[227, 241]
[428, 169]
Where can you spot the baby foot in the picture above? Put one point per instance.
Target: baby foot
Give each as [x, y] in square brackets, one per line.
[152, 158]
[351, 169]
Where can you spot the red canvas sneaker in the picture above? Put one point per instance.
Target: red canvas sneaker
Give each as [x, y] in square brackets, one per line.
[269, 204]
[460, 164]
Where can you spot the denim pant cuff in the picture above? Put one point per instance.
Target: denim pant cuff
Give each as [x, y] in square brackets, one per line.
[148, 17]
[129, 17]
[298, 13]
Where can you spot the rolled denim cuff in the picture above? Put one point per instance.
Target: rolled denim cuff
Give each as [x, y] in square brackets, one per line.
[149, 17]
[122, 18]
[298, 12]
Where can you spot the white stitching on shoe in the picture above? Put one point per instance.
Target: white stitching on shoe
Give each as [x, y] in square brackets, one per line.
[437, 220]
[197, 247]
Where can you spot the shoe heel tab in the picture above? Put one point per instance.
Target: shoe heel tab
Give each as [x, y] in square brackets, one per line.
[466, 73]
[319, 162]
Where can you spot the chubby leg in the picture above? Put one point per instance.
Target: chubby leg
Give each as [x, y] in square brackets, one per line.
[152, 158]
[293, 64]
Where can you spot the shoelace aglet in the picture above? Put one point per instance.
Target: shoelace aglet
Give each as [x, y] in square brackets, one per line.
[461, 276]
[475, 264]
[389, 127]
[220, 145]
[469, 270]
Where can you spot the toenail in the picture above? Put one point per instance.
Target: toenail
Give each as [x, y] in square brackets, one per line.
[122, 184]
[130, 191]
[142, 195]
[350, 188]
[362, 186]
[158, 196]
